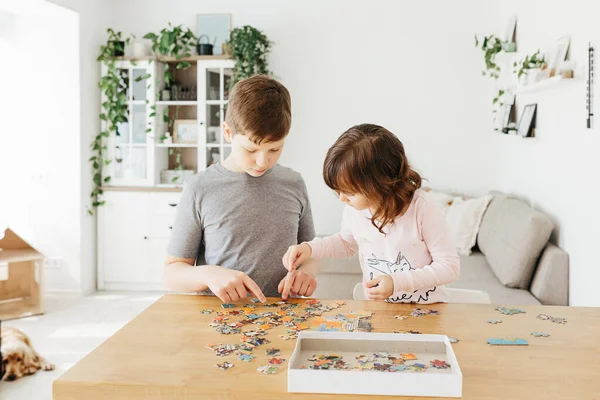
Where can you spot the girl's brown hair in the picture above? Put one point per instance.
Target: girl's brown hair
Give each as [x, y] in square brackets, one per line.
[370, 160]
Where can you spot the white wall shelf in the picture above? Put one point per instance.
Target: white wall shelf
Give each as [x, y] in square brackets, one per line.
[550, 83]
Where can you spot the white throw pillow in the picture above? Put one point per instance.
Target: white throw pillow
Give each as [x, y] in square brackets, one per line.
[463, 219]
[443, 200]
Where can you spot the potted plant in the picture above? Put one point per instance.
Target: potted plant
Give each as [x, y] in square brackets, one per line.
[175, 41]
[249, 48]
[529, 68]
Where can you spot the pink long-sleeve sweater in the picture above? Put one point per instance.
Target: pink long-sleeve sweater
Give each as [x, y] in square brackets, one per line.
[417, 250]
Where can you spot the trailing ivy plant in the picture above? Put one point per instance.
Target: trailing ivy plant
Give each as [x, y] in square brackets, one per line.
[249, 48]
[533, 61]
[114, 86]
[491, 46]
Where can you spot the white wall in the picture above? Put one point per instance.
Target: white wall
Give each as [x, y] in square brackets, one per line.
[39, 160]
[558, 170]
[347, 62]
[95, 17]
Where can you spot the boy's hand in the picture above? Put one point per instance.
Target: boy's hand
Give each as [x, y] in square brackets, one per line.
[230, 285]
[297, 282]
[296, 255]
[379, 288]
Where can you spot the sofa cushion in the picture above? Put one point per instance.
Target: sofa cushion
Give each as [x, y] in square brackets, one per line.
[550, 282]
[512, 236]
[464, 219]
[475, 273]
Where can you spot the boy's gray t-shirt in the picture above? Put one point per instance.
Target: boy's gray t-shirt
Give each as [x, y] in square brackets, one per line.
[242, 222]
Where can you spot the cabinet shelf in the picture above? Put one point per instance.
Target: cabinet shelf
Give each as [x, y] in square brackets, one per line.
[177, 103]
[176, 145]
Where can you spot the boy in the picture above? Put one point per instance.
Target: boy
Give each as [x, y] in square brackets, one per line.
[236, 219]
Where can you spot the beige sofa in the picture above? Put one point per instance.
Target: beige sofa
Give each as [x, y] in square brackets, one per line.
[513, 261]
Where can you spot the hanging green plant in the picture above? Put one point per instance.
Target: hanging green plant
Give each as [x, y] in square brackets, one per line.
[491, 46]
[114, 86]
[249, 48]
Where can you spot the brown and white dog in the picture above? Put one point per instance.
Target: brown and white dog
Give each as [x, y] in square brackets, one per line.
[18, 356]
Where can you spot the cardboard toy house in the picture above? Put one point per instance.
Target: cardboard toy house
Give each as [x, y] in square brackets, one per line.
[21, 277]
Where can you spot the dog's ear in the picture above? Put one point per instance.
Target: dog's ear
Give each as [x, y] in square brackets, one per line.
[30, 358]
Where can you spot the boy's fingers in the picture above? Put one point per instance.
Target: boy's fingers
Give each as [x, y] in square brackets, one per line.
[280, 286]
[254, 289]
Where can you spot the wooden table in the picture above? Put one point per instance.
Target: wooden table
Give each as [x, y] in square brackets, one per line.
[161, 354]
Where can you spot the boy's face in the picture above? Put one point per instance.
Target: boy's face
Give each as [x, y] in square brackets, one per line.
[249, 157]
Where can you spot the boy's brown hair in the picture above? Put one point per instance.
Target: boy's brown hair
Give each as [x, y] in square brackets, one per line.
[261, 108]
[370, 160]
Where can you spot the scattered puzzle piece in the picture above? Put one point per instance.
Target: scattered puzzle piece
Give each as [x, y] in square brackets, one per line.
[273, 352]
[494, 321]
[400, 317]
[207, 311]
[540, 334]
[268, 369]
[556, 320]
[418, 312]
[227, 305]
[508, 342]
[246, 357]
[225, 366]
[453, 339]
[276, 361]
[509, 311]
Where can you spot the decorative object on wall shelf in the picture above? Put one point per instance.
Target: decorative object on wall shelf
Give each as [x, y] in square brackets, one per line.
[510, 42]
[507, 111]
[185, 131]
[204, 48]
[530, 67]
[249, 49]
[216, 28]
[558, 55]
[526, 126]
[544, 84]
[590, 81]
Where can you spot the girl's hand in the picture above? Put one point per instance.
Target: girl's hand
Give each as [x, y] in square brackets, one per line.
[296, 255]
[379, 288]
[297, 282]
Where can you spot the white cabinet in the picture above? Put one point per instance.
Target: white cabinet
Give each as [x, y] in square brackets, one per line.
[134, 228]
[172, 131]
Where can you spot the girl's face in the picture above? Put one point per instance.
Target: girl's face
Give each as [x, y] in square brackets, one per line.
[356, 200]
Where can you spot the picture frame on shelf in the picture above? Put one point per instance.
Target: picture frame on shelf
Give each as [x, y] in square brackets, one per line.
[185, 131]
[217, 27]
[509, 35]
[526, 125]
[507, 108]
[558, 54]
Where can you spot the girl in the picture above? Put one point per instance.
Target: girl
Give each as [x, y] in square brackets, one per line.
[405, 250]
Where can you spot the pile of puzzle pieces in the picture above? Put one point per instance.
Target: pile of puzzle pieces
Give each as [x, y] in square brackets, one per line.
[380, 361]
[290, 315]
